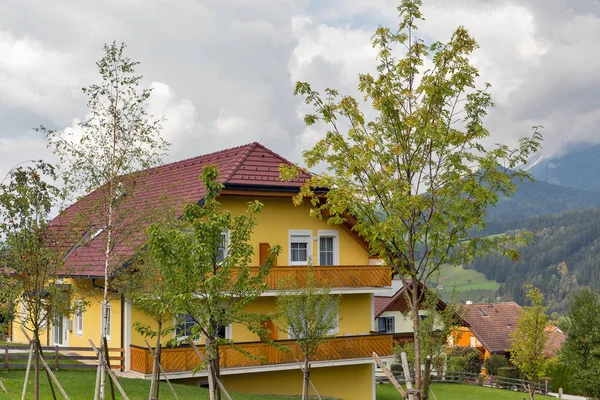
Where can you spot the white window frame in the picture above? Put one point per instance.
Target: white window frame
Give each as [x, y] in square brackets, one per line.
[336, 247]
[387, 318]
[225, 233]
[307, 234]
[78, 319]
[179, 337]
[108, 319]
[332, 332]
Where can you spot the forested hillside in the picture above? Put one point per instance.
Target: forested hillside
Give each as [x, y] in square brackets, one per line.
[541, 198]
[564, 255]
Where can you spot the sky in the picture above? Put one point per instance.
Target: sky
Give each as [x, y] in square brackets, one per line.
[223, 72]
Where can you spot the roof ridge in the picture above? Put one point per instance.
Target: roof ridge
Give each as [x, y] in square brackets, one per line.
[240, 160]
[195, 157]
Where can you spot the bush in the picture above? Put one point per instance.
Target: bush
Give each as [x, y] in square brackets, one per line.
[509, 372]
[493, 363]
[470, 356]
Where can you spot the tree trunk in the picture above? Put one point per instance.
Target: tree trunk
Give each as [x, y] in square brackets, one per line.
[212, 384]
[306, 378]
[156, 368]
[36, 371]
[426, 379]
[414, 308]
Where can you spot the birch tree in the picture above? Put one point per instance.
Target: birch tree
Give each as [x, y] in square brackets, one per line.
[118, 138]
[407, 160]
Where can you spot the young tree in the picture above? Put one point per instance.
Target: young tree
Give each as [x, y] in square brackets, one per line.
[29, 252]
[310, 314]
[416, 176]
[118, 138]
[528, 350]
[204, 260]
[144, 285]
[581, 350]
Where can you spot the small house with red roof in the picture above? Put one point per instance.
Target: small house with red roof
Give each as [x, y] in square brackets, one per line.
[392, 311]
[490, 326]
[342, 368]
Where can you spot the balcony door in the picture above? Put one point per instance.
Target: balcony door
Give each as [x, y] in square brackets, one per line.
[60, 330]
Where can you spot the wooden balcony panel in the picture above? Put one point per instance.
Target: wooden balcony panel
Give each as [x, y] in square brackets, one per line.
[183, 359]
[340, 276]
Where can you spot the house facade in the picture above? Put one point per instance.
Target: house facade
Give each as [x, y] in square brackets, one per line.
[342, 368]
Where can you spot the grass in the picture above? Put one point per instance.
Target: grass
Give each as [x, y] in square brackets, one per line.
[448, 391]
[80, 385]
[468, 284]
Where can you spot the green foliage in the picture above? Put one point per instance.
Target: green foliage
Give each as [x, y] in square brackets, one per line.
[463, 359]
[562, 377]
[30, 250]
[581, 350]
[509, 372]
[528, 349]
[562, 256]
[308, 311]
[212, 290]
[493, 363]
[416, 176]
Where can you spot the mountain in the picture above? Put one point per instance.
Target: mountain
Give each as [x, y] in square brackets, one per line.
[541, 198]
[578, 169]
[563, 256]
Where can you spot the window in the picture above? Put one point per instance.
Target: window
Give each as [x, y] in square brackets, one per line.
[183, 328]
[224, 332]
[304, 328]
[386, 324]
[328, 248]
[223, 246]
[108, 309]
[78, 319]
[300, 247]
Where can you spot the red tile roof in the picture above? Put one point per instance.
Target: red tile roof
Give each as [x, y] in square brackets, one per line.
[392, 301]
[244, 167]
[491, 324]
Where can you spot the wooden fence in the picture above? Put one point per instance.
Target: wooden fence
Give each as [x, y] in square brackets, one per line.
[15, 357]
[543, 386]
[183, 358]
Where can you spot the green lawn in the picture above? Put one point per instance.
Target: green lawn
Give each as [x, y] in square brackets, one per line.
[469, 284]
[79, 385]
[449, 391]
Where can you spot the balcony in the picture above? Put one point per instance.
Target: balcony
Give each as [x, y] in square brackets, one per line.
[338, 276]
[184, 359]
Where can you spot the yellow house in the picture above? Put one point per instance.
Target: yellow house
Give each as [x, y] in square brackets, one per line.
[343, 367]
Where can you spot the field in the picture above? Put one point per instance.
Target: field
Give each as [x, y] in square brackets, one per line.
[80, 385]
[468, 284]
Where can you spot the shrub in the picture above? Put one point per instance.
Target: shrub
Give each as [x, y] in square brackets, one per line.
[493, 363]
[470, 364]
[509, 372]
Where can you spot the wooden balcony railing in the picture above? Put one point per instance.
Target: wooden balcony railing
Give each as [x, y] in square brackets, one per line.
[183, 358]
[338, 276]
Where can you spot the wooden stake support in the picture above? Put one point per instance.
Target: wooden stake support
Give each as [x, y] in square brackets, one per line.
[406, 370]
[27, 371]
[3, 387]
[162, 370]
[389, 374]
[110, 373]
[201, 357]
[309, 381]
[48, 370]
